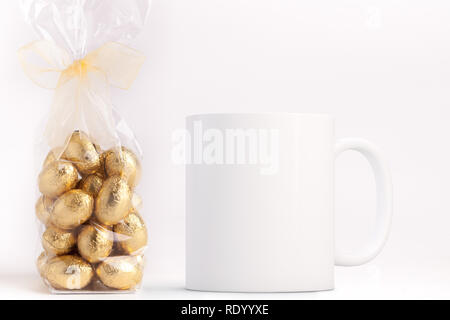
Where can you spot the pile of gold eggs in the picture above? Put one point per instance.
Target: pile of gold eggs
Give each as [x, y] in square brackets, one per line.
[94, 237]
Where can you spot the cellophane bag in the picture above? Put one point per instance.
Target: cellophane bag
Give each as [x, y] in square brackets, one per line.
[93, 236]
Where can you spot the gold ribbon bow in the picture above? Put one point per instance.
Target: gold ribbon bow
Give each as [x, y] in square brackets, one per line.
[82, 98]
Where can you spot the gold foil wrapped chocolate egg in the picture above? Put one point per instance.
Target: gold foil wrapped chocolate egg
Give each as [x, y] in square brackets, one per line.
[53, 155]
[41, 263]
[121, 272]
[123, 162]
[56, 178]
[91, 184]
[57, 241]
[72, 209]
[81, 151]
[101, 171]
[113, 202]
[131, 233]
[95, 242]
[44, 206]
[68, 272]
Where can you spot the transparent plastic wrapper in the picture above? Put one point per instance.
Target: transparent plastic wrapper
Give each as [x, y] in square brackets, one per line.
[93, 235]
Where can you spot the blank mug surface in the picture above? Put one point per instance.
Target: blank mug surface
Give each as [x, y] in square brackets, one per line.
[263, 222]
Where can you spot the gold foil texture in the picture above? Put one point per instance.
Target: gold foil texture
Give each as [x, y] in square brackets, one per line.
[95, 242]
[131, 234]
[124, 163]
[68, 272]
[57, 177]
[81, 151]
[72, 209]
[94, 237]
[121, 272]
[57, 241]
[113, 202]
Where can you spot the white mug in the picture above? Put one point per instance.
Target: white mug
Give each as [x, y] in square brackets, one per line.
[260, 202]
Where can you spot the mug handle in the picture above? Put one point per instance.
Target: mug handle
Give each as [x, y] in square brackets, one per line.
[384, 202]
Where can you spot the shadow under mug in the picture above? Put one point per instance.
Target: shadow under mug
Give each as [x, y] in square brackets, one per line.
[260, 202]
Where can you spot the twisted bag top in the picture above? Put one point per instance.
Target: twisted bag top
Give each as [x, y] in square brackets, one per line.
[82, 87]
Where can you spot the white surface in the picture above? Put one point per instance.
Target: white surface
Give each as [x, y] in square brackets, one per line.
[365, 282]
[381, 67]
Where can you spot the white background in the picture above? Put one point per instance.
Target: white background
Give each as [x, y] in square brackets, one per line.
[382, 67]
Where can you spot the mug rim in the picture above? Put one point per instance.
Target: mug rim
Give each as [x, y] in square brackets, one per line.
[276, 113]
